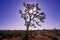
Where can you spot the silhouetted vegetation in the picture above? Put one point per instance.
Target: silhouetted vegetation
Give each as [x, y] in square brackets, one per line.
[31, 16]
[32, 34]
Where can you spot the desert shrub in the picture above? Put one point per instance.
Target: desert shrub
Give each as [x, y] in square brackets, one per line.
[54, 38]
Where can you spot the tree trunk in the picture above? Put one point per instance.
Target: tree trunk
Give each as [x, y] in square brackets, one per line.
[26, 35]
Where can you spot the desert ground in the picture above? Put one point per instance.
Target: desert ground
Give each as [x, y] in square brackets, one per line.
[32, 34]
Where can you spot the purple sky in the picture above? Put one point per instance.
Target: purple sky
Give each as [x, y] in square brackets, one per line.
[10, 18]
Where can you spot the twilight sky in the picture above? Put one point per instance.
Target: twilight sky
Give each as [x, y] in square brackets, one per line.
[10, 18]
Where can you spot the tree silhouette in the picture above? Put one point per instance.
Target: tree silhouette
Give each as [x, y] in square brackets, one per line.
[32, 16]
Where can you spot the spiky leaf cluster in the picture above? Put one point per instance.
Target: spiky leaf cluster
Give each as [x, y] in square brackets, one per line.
[32, 14]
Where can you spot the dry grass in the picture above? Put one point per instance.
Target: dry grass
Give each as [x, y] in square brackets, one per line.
[35, 36]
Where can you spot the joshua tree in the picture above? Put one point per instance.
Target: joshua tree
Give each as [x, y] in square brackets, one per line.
[32, 16]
